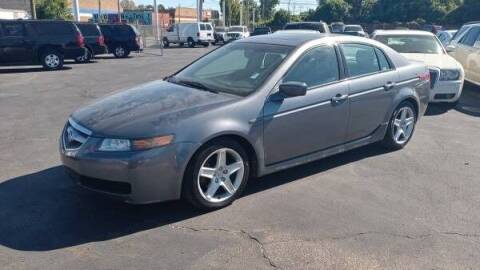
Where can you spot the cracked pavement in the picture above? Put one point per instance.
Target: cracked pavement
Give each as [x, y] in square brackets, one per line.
[366, 209]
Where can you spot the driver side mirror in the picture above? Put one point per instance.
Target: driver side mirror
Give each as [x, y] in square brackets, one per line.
[450, 48]
[293, 89]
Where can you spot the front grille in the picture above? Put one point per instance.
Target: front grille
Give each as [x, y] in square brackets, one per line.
[233, 35]
[106, 185]
[74, 135]
[434, 74]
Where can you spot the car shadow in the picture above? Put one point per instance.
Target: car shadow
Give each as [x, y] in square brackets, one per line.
[469, 103]
[45, 211]
[29, 70]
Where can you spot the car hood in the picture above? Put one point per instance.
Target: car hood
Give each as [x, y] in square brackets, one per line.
[442, 61]
[240, 33]
[147, 110]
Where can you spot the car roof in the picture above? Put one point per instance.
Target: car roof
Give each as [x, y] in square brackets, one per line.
[403, 32]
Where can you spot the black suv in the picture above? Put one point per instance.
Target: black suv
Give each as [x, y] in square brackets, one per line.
[261, 31]
[121, 39]
[316, 26]
[39, 42]
[94, 41]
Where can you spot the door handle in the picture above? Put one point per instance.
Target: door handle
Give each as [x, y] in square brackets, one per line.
[339, 98]
[389, 86]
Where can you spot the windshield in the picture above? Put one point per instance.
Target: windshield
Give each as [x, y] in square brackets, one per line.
[238, 69]
[236, 29]
[412, 44]
[305, 26]
[353, 28]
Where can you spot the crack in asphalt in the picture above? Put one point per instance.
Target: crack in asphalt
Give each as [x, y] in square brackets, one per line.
[238, 232]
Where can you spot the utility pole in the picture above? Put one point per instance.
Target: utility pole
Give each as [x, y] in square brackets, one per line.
[155, 21]
[119, 12]
[253, 19]
[76, 10]
[33, 8]
[241, 13]
[230, 13]
[199, 10]
[99, 11]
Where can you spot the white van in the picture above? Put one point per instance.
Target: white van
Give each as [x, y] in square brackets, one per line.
[190, 33]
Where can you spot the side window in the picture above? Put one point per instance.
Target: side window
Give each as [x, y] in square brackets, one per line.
[209, 27]
[382, 60]
[12, 29]
[316, 67]
[470, 38]
[203, 27]
[360, 59]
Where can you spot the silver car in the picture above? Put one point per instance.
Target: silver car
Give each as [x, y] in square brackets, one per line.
[253, 107]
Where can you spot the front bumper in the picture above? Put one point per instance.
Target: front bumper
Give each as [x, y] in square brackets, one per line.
[446, 91]
[136, 176]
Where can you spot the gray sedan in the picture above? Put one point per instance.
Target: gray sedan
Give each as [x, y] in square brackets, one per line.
[253, 107]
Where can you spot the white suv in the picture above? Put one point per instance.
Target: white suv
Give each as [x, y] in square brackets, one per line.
[189, 33]
[237, 32]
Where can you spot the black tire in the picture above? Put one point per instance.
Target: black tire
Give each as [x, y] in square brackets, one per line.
[389, 141]
[52, 59]
[166, 43]
[190, 185]
[214, 43]
[206, 44]
[120, 51]
[181, 44]
[86, 58]
[191, 42]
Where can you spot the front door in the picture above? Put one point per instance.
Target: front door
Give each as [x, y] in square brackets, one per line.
[372, 87]
[298, 126]
[13, 44]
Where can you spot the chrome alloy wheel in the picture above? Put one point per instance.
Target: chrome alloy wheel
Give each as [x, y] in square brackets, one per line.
[52, 60]
[403, 125]
[220, 175]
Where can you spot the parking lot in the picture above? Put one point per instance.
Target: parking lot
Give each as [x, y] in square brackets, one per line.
[367, 209]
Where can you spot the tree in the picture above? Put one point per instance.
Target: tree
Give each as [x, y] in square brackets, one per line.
[267, 8]
[232, 11]
[331, 10]
[127, 4]
[53, 9]
[280, 18]
[161, 8]
[360, 10]
[463, 13]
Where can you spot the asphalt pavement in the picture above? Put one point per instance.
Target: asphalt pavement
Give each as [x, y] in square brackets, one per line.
[417, 208]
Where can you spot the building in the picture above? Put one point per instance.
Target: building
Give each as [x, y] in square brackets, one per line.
[16, 6]
[183, 14]
[90, 7]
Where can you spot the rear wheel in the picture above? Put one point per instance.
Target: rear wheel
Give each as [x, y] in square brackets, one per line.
[87, 57]
[191, 42]
[120, 51]
[401, 126]
[216, 175]
[181, 44]
[52, 59]
[166, 43]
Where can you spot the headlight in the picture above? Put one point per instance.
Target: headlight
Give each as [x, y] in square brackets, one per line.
[449, 75]
[111, 145]
[115, 145]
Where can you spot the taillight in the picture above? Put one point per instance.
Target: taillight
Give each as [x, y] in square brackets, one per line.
[424, 76]
[80, 40]
[101, 40]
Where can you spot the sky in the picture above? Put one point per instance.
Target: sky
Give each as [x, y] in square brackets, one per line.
[295, 5]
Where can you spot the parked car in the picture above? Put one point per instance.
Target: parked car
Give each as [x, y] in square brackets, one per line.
[39, 42]
[237, 32]
[316, 26]
[220, 35]
[264, 30]
[121, 39]
[462, 31]
[337, 27]
[447, 75]
[354, 30]
[94, 41]
[446, 36]
[467, 52]
[250, 108]
[190, 33]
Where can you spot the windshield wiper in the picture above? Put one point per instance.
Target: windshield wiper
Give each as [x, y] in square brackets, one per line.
[194, 84]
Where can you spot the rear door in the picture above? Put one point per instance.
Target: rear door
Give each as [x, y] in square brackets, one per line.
[15, 44]
[372, 81]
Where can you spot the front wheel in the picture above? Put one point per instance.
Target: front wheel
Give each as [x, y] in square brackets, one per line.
[85, 58]
[401, 126]
[191, 43]
[217, 175]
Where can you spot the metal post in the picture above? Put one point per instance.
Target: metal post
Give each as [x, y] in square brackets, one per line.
[119, 12]
[241, 13]
[224, 14]
[253, 19]
[99, 11]
[76, 10]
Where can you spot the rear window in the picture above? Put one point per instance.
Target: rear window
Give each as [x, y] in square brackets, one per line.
[53, 28]
[305, 26]
[209, 27]
[353, 28]
[119, 30]
[203, 26]
[88, 29]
